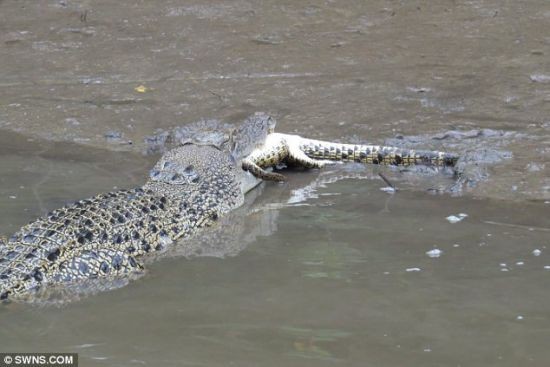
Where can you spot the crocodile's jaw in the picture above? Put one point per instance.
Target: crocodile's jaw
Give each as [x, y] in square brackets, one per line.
[248, 182]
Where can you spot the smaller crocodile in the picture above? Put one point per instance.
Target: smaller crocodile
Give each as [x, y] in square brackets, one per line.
[107, 238]
[281, 148]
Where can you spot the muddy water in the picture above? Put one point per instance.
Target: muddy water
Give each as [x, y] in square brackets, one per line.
[327, 269]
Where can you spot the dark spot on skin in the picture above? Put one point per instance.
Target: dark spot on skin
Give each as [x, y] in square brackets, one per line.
[88, 223]
[132, 262]
[89, 236]
[104, 267]
[118, 239]
[104, 237]
[4, 296]
[145, 209]
[163, 200]
[52, 256]
[153, 207]
[50, 233]
[121, 219]
[195, 179]
[3, 276]
[135, 235]
[28, 238]
[214, 216]
[112, 221]
[83, 267]
[161, 206]
[176, 177]
[145, 246]
[126, 238]
[116, 262]
[37, 275]
[153, 228]
[131, 249]
[398, 160]
[81, 239]
[159, 247]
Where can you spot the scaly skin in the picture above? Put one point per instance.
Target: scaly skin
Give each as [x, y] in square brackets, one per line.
[106, 236]
[284, 148]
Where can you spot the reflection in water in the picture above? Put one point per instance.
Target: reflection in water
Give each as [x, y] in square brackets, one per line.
[321, 274]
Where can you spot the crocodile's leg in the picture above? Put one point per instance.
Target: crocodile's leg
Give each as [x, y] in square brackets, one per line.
[298, 157]
[259, 172]
[278, 149]
[274, 151]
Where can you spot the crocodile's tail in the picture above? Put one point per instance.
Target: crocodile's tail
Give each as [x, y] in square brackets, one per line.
[375, 154]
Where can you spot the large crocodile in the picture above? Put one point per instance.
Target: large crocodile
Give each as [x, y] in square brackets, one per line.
[107, 237]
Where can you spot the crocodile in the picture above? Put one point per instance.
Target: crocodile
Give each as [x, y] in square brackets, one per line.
[108, 237]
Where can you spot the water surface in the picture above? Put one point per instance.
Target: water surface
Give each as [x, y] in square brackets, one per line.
[323, 270]
[326, 269]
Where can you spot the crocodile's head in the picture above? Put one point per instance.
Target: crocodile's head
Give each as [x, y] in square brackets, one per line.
[192, 165]
[188, 165]
[198, 170]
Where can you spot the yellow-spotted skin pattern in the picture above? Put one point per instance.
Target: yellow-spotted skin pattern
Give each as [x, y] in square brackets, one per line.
[284, 148]
[375, 154]
[107, 236]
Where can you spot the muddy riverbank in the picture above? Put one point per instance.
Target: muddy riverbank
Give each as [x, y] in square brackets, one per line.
[108, 75]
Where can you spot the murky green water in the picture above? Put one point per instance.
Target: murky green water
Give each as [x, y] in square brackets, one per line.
[324, 270]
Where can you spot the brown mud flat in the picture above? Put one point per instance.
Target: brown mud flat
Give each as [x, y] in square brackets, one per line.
[325, 269]
[106, 74]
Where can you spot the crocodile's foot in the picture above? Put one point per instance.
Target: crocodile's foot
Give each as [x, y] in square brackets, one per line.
[257, 171]
[279, 149]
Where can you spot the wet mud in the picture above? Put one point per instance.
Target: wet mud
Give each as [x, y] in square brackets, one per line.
[332, 267]
[108, 75]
